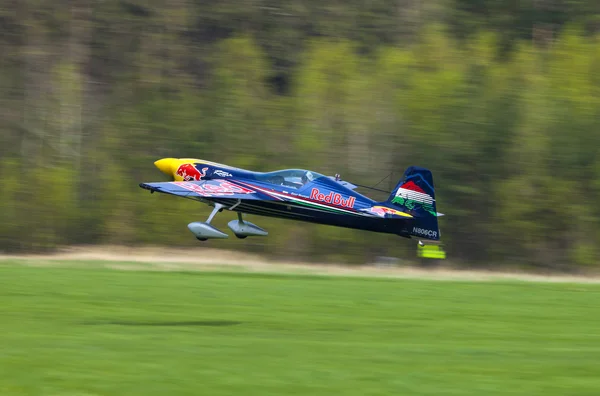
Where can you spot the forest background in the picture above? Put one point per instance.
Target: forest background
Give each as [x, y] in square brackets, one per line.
[500, 99]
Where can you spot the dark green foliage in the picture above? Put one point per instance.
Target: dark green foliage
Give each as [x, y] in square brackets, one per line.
[500, 99]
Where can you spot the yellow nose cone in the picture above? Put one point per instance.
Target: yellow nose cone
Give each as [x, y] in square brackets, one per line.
[168, 166]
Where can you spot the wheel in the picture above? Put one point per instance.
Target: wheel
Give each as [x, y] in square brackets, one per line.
[202, 239]
[241, 236]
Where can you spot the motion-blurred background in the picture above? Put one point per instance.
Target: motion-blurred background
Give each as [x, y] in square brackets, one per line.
[500, 99]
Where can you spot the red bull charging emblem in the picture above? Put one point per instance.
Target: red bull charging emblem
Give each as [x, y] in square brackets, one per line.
[382, 211]
[189, 172]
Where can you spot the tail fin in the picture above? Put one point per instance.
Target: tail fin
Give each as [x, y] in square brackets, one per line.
[415, 194]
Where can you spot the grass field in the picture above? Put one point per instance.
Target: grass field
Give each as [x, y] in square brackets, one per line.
[95, 331]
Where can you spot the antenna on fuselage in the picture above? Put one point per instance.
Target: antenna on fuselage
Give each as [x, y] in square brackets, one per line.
[372, 188]
[376, 184]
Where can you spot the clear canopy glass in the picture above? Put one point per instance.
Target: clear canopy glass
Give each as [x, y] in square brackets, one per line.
[293, 178]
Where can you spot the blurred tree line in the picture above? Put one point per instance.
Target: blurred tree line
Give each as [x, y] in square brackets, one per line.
[500, 99]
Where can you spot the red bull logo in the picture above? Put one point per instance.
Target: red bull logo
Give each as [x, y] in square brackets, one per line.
[212, 188]
[189, 172]
[333, 198]
[382, 211]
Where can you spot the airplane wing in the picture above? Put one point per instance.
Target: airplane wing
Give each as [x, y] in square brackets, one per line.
[204, 189]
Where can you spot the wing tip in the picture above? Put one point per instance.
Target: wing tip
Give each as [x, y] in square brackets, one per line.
[147, 186]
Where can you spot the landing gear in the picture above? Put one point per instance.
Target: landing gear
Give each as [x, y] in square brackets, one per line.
[203, 231]
[242, 229]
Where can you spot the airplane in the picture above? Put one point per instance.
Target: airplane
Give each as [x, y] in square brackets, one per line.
[302, 195]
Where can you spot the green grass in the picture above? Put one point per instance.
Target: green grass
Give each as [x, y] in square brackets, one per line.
[78, 331]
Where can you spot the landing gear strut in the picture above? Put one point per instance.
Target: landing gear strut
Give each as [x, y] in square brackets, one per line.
[242, 229]
[240, 221]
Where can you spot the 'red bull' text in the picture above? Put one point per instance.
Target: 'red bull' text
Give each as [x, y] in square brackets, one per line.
[333, 198]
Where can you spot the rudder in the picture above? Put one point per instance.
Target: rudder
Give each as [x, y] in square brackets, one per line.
[415, 195]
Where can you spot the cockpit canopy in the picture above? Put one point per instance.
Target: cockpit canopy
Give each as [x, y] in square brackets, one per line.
[293, 178]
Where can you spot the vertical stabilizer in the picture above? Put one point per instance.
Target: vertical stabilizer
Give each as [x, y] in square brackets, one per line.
[415, 194]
